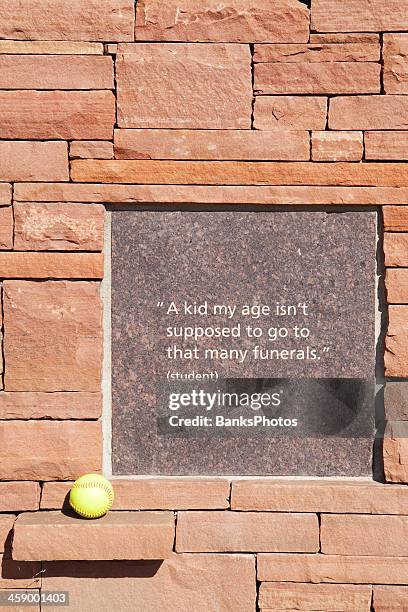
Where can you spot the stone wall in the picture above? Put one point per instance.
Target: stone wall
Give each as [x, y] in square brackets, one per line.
[256, 102]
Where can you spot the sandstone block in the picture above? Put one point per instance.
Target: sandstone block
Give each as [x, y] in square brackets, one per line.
[290, 113]
[51, 265]
[319, 568]
[57, 114]
[386, 145]
[337, 146]
[49, 47]
[238, 173]
[395, 451]
[344, 37]
[188, 194]
[395, 218]
[368, 113]
[6, 525]
[359, 15]
[57, 227]
[212, 145]
[49, 450]
[53, 536]
[317, 78]
[154, 494]
[105, 20]
[246, 532]
[182, 583]
[28, 161]
[340, 597]
[318, 496]
[53, 336]
[396, 342]
[5, 194]
[6, 227]
[32, 405]
[184, 86]
[396, 401]
[19, 496]
[231, 21]
[91, 149]
[397, 282]
[318, 52]
[364, 535]
[55, 72]
[390, 598]
[395, 57]
[15, 575]
[395, 250]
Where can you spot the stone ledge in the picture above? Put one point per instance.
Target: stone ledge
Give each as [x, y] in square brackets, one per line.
[201, 194]
[53, 536]
[152, 494]
[319, 496]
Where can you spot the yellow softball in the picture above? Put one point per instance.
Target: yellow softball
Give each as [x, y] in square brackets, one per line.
[91, 496]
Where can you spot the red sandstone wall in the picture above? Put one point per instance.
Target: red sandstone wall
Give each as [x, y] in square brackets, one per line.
[188, 101]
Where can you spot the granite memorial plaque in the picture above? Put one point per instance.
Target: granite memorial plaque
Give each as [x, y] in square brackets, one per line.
[243, 342]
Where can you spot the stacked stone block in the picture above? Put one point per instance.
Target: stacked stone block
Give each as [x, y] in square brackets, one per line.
[259, 102]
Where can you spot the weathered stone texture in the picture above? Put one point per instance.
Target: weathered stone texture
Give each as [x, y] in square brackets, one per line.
[344, 38]
[359, 15]
[105, 20]
[49, 47]
[182, 583]
[153, 494]
[19, 496]
[58, 227]
[395, 451]
[396, 249]
[55, 72]
[332, 568]
[397, 278]
[53, 536]
[33, 161]
[285, 596]
[51, 265]
[386, 145]
[57, 114]
[317, 52]
[53, 337]
[6, 227]
[396, 344]
[246, 532]
[237, 173]
[364, 535]
[318, 496]
[290, 113]
[396, 401]
[317, 78]
[5, 194]
[91, 149]
[337, 146]
[212, 145]
[231, 21]
[37, 405]
[184, 86]
[368, 113]
[395, 57]
[395, 218]
[49, 450]
[389, 598]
